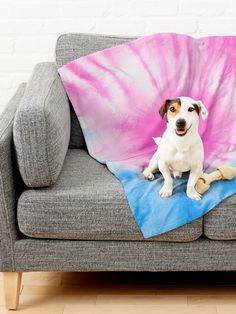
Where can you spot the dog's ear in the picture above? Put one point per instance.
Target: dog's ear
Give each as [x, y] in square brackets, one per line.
[164, 108]
[202, 109]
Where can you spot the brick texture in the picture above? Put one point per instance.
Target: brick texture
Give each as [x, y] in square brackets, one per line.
[29, 28]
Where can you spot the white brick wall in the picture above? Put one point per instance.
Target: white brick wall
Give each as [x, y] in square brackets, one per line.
[29, 28]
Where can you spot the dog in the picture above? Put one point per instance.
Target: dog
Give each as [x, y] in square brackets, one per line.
[180, 149]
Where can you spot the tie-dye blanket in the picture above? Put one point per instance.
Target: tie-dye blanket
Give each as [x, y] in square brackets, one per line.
[116, 94]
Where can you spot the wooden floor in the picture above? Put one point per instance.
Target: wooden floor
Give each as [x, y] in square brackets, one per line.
[131, 293]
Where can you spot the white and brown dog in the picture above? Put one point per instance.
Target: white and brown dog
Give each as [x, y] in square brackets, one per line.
[180, 149]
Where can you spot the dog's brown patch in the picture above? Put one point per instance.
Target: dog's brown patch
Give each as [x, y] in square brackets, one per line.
[173, 109]
[169, 103]
[197, 109]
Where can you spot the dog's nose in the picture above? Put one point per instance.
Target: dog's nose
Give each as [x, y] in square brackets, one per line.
[181, 123]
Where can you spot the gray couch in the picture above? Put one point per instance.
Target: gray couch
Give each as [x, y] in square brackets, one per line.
[61, 210]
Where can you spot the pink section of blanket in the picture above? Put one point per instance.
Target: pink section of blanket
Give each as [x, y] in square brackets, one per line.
[117, 93]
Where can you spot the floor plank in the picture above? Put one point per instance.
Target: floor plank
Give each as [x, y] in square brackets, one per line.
[140, 310]
[124, 300]
[211, 300]
[227, 309]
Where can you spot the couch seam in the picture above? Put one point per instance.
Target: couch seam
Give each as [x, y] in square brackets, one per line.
[45, 120]
[22, 150]
[7, 126]
[23, 159]
[8, 225]
[12, 119]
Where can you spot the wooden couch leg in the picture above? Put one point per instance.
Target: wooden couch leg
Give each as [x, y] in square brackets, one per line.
[12, 286]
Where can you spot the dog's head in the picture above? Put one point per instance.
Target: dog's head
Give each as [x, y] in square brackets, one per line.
[182, 113]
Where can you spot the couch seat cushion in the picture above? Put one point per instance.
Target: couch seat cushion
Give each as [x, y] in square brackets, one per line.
[219, 223]
[87, 202]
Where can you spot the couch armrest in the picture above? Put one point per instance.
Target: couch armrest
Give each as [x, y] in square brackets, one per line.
[42, 127]
[10, 183]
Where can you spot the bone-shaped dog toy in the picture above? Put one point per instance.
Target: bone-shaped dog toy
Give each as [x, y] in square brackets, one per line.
[223, 172]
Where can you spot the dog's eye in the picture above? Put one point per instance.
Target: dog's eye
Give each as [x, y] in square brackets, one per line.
[172, 109]
[190, 109]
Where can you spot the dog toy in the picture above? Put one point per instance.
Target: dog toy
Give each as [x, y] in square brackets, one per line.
[222, 173]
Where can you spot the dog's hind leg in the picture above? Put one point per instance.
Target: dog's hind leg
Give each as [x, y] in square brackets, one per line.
[152, 168]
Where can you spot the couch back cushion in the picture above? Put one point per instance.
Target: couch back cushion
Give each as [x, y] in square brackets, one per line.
[41, 128]
[73, 46]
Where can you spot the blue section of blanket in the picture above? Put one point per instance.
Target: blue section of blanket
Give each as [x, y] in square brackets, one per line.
[165, 214]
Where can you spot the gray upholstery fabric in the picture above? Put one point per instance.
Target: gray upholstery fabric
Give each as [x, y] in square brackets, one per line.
[10, 183]
[87, 202]
[73, 46]
[220, 222]
[200, 255]
[42, 127]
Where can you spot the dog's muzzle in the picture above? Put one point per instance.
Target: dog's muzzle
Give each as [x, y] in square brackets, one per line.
[181, 127]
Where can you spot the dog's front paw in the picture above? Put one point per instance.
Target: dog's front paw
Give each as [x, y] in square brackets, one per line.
[192, 193]
[148, 175]
[165, 191]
